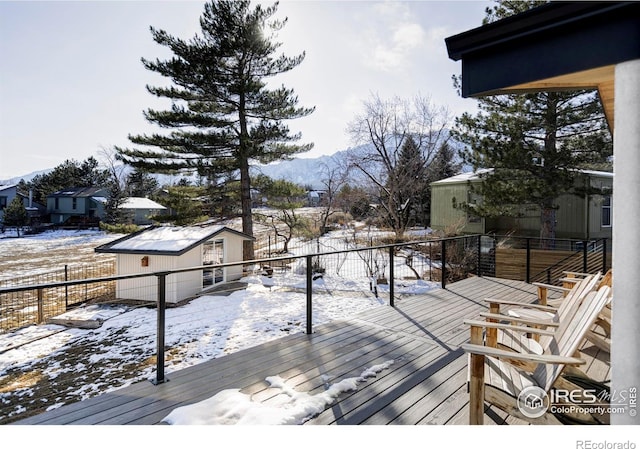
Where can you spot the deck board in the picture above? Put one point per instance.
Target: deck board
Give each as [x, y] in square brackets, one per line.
[426, 384]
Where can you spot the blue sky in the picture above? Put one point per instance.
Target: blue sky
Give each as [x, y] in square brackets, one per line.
[72, 84]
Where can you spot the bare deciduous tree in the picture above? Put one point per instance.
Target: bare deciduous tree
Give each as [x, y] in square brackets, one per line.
[334, 177]
[386, 126]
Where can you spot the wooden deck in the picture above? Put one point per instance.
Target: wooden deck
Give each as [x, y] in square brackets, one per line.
[426, 384]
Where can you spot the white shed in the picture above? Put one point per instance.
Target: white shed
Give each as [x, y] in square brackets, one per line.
[163, 248]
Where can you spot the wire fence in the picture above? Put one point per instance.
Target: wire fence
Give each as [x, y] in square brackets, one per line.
[30, 307]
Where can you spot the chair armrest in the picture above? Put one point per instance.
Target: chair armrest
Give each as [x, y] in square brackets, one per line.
[520, 304]
[571, 280]
[551, 287]
[504, 326]
[537, 358]
[527, 321]
[576, 273]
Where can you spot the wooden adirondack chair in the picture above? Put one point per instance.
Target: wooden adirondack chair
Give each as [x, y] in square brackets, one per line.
[534, 315]
[570, 279]
[601, 334]
[500, 383]
[599, 337]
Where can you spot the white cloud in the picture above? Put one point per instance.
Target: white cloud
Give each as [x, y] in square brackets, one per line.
[392, 37]
[408, 36]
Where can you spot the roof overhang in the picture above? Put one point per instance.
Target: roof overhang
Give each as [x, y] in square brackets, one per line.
[557, 46]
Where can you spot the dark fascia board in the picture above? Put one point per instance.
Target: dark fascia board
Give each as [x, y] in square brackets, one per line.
[554, 39]
[107, 247]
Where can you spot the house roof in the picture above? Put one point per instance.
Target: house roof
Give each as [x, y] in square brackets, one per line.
[472, 176]
[77, 192]
[463, 177]
[7, 187]
[559, 45]
[166, 240]
[140, 203]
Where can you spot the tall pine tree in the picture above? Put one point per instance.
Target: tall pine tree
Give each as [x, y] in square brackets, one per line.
[223, 116]
[70, 173]
[535, 143]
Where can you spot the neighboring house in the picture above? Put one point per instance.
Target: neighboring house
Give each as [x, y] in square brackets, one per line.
[315, 197]
[78, 202]
[577, 217]
[139, 210]
[161, 248]
[9, 192]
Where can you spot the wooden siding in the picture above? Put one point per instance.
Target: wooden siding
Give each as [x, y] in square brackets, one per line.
[512, 263]
[188, 284]
[444, 215]
[426, 384]
[146, 288]
[232, 253]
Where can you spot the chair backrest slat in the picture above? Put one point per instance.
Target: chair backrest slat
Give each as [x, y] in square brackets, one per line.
[566, 341]
[567, 309]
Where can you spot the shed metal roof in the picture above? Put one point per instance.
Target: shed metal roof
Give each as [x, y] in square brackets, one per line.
[166, 240]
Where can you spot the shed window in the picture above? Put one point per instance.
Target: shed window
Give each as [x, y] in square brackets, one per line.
[74, 203]
[57, 205]
[606, 212]
[3, 202]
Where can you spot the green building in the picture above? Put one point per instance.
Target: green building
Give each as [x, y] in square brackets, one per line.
[588, 217]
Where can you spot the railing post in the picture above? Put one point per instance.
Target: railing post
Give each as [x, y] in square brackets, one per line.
[585, 263]
[604, 255]
[430, 262]
[391, 275]
[309, 292]
[66, 287]
[40, 306]
[528, 264]
[162, 302]
[479, 270]
[443, 263]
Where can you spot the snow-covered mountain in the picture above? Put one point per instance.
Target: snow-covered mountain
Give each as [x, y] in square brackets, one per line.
[28, 177]
[310, 171]
[303, 171]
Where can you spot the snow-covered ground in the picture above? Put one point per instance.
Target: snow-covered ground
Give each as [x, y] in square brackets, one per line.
[59, 365]
[56, 365]
[51, 250]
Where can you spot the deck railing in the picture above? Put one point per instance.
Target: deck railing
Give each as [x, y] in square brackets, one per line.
[437, 260]
[532, 259]
[21, 305]
[442, 260]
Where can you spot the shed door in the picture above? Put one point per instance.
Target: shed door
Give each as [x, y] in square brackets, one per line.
[212, 254]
